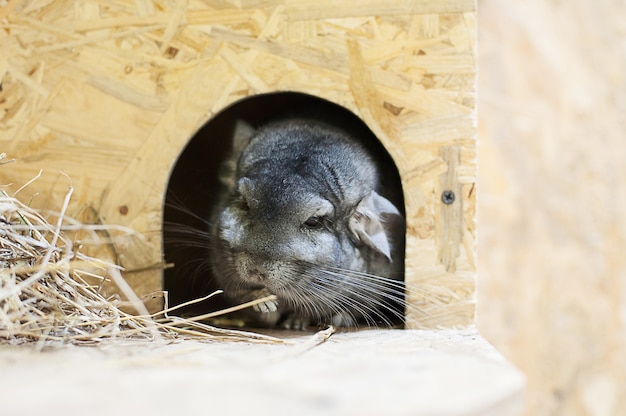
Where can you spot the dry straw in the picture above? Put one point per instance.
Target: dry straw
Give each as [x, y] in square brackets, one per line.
[47, 294]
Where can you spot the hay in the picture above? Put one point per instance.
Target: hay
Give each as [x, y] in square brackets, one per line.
[47, 295]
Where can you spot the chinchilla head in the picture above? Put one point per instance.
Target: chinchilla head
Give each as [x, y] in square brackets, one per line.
[302, 205]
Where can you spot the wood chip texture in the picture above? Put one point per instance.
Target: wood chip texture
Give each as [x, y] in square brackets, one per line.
[109, 93]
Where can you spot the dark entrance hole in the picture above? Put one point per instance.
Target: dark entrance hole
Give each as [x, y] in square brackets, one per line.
[194, 182]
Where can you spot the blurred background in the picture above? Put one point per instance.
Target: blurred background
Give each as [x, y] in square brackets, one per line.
[552, 206]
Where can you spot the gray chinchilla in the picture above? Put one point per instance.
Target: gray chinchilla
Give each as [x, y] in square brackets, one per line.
[300, 215]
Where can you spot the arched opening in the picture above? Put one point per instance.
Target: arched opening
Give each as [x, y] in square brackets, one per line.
[193, 184]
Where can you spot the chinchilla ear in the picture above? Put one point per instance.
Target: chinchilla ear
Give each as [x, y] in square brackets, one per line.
[241, 138]
[367, 224]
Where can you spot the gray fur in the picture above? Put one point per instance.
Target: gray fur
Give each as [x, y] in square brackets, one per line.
[278, 181]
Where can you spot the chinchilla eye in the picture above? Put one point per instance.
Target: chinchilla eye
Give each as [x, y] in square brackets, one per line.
[313, 222]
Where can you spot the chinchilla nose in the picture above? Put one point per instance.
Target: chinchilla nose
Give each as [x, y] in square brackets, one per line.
[258, 274]
[250, 269]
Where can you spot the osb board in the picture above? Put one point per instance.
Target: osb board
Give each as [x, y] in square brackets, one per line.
[413, 373]
[552, 287]
[109, 92]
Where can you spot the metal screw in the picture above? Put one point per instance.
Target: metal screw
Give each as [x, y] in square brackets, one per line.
[448, 197]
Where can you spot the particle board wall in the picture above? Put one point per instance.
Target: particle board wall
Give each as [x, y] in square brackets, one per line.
[109, 93]
[552, 199]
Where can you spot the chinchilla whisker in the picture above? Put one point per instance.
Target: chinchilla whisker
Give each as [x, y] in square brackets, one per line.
[362, 307]
[181, 243]
[315, 293]
[402, 287]
[399, 287]
[199, 269]
[379, 308]
[183, 228]
[389, 282]
[343, 306]
[300, 300]
[392, 303]
[370, 293]
[360, 273]
[399, 284]
[375, 287]
[319, 303]
[186, 230]
[378, 283]
[180, 207]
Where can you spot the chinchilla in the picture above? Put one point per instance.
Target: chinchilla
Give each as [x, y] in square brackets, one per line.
[301, 214]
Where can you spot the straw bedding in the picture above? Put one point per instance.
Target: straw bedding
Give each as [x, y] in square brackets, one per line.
[50, 291]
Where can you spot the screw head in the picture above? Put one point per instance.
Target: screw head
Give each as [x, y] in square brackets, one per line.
[447, 197]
